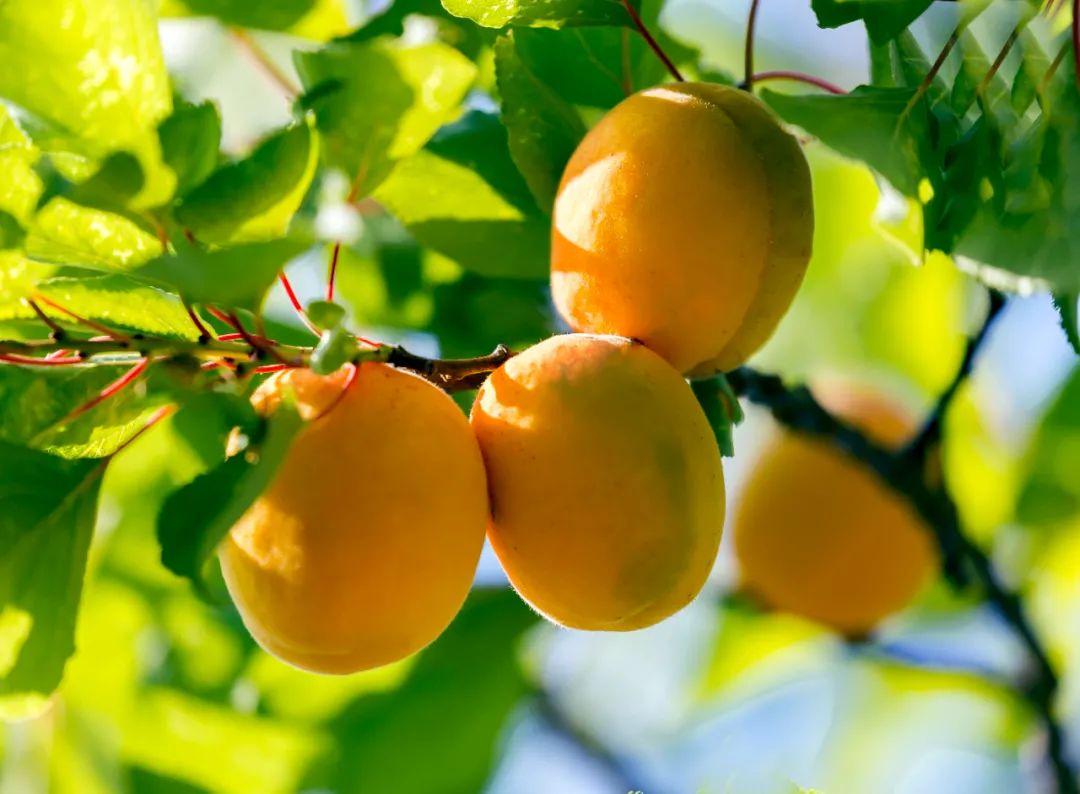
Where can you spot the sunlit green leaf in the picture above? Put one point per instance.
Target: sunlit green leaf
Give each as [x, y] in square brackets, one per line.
[93, 69]
[121, 303]
[267, 14]
[36, 403]
[18, 278]
[376, 102]
[463, 196]
[543, 129]
[20, 186]
[540, 13]
[254, 198]
[47, 508]
[66, 233]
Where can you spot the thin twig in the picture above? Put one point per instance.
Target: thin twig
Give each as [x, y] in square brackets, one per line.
[928, 80]
[265, 63]
[809, 79]
[748, 47]
[931, 430]
[1051, 70]
[654, 45]
[58, 333]
[331, 276]
[1000, 59]
[204, 332]
[297, 306]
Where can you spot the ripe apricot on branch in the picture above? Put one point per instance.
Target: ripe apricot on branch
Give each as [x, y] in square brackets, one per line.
[684, 220]
[605, 480]
[819, 535]
[364, 546]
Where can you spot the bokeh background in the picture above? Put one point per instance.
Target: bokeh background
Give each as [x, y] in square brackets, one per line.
[167, 693]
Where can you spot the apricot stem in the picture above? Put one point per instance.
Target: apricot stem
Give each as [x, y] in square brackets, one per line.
[654, 45]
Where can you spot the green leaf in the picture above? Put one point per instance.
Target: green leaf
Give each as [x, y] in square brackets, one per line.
[1051, 494]
[236, 277]
[66, 233]
[195, 518]
[1034, 63]
[190, 139]
[11, 231]
[121, 303]
[884, 19]
[721, 407]
[265, 14]
[94, 70]
[543, 129]
[18, 278]
[326, 314]
[387, 101]
[20, 185]
[1023, 235]
[463, 197]
[254, 198]
[1068, 315]
[587, 66]
[47, 509]
[35, 404]
[540, 13]
[398, 741]
[868, 124]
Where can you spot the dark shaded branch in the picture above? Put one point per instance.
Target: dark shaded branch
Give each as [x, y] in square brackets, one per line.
[930, 434]
[962, 559]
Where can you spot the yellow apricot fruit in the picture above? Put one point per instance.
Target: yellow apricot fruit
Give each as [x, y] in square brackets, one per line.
[606, 488]
[365, 545]
[818, 534]
[684, 220]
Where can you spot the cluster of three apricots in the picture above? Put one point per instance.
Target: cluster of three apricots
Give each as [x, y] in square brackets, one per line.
[681, 231]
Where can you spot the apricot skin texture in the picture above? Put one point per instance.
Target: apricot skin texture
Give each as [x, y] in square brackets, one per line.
[684, 220]
[817, 534]
[364, 547]
[606, 485]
